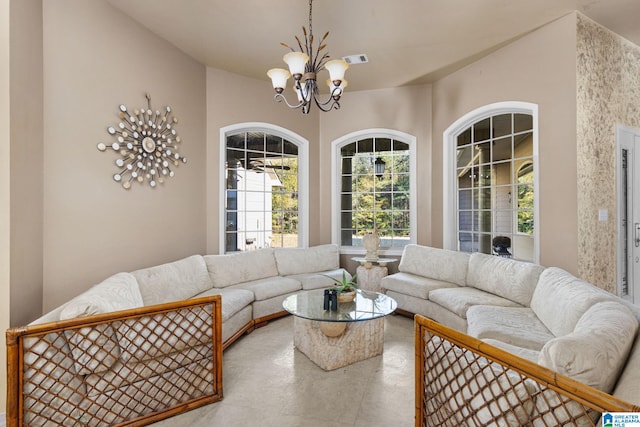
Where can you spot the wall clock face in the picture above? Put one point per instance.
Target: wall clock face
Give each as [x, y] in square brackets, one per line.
[147, 143]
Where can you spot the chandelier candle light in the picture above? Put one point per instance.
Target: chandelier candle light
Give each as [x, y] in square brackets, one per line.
[304, 66]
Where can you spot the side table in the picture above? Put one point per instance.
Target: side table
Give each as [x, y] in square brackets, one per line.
[371, 272]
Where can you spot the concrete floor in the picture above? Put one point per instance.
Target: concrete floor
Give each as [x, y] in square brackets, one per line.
[269, 383]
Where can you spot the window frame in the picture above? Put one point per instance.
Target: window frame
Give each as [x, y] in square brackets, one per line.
[336, 147]
[303, 176]
[450, 190]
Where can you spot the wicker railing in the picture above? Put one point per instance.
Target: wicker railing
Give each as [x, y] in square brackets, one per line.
[462, 381]
[129, 367]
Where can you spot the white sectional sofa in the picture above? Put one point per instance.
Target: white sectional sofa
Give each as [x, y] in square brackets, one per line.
[82, 358]
[252, 284]
[544, 315]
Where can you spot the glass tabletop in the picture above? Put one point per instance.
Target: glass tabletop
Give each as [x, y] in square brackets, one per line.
[366, 306]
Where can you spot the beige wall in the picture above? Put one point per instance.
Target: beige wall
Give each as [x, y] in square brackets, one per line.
[608, 94]
[26, 160]
[96, 58]
[5, 246]
[538, 68]
[233, 99]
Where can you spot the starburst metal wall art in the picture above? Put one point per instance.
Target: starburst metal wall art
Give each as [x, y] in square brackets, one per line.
[147, 143]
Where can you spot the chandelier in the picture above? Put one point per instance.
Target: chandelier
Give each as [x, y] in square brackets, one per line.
[304, 66]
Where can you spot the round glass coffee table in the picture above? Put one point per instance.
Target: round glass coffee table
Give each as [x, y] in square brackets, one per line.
[333, 339]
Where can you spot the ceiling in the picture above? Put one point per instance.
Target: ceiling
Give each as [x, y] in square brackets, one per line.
[406, 41]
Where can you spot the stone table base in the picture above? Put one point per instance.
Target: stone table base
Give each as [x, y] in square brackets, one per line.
[359, 341]
[369, 278]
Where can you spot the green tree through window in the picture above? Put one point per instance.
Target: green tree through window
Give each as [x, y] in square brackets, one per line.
[525, 199]
[369, 201]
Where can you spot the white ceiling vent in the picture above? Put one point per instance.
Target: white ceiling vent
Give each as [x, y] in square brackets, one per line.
[356, 59]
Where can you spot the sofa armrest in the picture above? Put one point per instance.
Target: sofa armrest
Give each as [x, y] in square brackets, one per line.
[465, 381]
[44, 386]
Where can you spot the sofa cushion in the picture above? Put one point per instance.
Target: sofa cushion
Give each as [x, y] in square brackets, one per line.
[174, 281]
[319, 280]
[458, 300]
[95, 349]
[514, 280]
[525, 353]
[233, 300]
[518, 326]
[161, 334]
[124, 374]
[628, 385]
[439, 264]
[596, 351]
[495, 397]
[230, 269]
[118, 292]
[270, 287]
[307, 260]
[416, 286]
[560, 299]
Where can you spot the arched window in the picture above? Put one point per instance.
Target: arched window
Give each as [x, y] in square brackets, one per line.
[374, 188]
[264, 188]
[490, 182]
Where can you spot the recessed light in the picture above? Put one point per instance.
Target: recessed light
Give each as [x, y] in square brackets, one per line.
[360, 58]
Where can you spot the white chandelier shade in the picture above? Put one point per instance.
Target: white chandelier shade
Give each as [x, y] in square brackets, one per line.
[336, 68]
[297, 62]
[279, 77]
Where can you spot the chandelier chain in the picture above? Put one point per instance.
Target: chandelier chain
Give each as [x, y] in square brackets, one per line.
[310, 26]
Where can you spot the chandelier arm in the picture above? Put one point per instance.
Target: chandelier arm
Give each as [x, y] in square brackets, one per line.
[335, 105]
[323, 103]
[280, 98]
[331, 102]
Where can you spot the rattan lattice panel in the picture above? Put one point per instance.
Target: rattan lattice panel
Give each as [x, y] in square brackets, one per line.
[130, 367]
[462, 381]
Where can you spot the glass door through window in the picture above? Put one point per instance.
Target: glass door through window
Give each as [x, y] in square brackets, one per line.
[494, 180]
[261, 192]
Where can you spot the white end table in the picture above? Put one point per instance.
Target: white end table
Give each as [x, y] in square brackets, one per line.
[370, 272]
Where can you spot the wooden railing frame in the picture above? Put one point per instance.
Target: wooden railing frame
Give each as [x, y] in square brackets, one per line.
[15, 365]
[574, 390]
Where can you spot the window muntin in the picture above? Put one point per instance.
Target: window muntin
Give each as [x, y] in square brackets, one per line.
[261, 194]
[494, 178]
[368, 201]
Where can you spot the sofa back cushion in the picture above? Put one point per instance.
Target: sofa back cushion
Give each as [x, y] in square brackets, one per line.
[307, 260]
[560, 299]
[174, 281]
[163, 334]
[596, 351]
[118, 292]
[231, 269]
[434, 263]
[511, 279]
[95, 348]
[628, 385]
